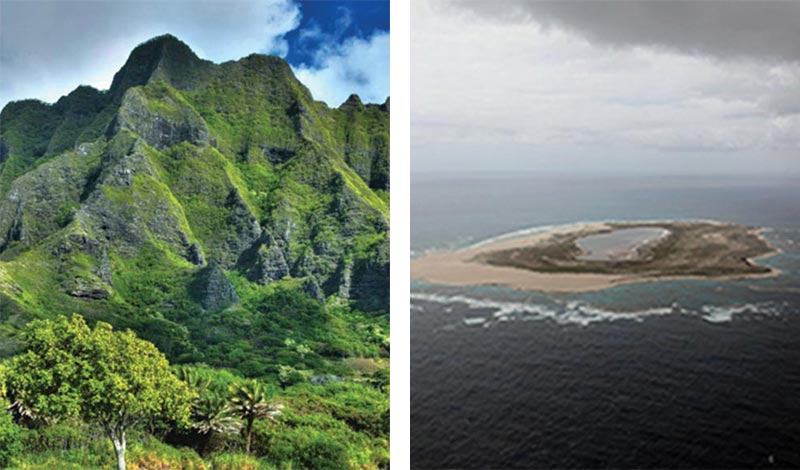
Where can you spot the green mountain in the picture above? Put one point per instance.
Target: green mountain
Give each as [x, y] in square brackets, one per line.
[216, 209]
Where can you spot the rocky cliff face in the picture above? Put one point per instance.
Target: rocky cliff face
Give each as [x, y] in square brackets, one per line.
[184, 177]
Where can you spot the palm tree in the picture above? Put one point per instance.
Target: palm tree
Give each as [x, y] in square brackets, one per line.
[194, 380]
[250, 400]
[212, 414]
[22, 413]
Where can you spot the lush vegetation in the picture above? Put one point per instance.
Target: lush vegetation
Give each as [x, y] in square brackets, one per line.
[111, 380]
[79, 397]
[235, 226]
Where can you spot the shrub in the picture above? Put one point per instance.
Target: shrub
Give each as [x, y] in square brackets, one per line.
[62, 436]
[238, 462]
[288, 375]
[306, 447]
[148, 453]
[10, 439]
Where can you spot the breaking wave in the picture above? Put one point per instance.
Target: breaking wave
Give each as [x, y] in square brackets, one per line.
[723, 314]
[582, 313]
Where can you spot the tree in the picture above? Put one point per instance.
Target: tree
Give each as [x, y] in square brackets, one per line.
[213, 414]
[194, 380]
[112, 379]
[250, 400]
[288, 375]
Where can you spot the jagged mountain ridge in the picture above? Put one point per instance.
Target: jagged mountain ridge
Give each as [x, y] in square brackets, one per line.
[186, 181]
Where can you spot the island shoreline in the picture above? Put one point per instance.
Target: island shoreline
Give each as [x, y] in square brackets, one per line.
[462, 268]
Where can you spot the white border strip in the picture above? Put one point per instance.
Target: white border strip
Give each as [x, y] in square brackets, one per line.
[400, 152]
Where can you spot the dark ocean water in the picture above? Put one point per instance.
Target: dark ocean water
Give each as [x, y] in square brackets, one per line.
[679, 374]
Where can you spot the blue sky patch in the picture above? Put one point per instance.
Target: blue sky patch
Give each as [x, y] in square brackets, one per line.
[326, 24]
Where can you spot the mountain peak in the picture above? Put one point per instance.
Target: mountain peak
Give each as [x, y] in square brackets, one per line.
[353, 101]
[165, 44]
[163, 39]
[165, 57]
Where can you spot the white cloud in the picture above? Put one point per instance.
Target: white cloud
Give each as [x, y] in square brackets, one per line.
[355, 65]
[512, 95]
[47, 48]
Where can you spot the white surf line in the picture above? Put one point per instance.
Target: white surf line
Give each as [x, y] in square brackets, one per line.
[581, 313]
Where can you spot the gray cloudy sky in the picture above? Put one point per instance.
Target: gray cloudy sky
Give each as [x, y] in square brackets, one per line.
[652, 87]
[49, 47]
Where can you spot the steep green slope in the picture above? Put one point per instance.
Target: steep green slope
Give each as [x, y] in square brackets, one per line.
[200, 204]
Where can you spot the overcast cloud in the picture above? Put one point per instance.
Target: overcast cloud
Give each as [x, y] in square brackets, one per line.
[669, 87]
[760, 29]
[47, 48]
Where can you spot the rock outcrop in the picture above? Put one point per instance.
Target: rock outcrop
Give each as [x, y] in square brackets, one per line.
[161, 118]
[215, 290]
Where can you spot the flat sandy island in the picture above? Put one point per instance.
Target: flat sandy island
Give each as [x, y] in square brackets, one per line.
[586, 257]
